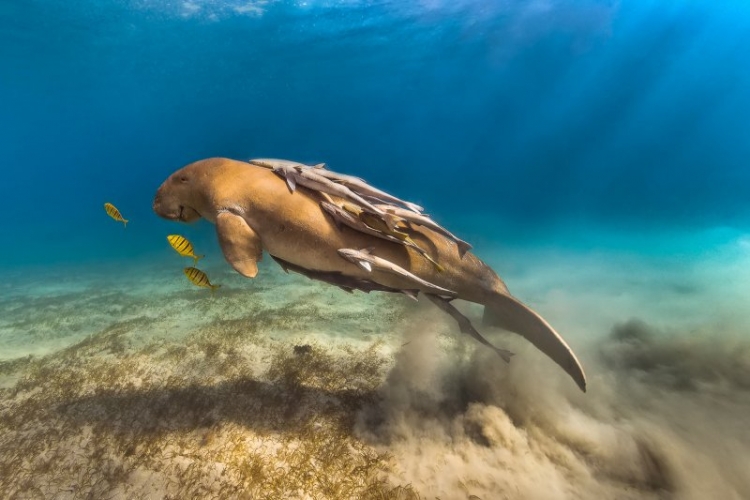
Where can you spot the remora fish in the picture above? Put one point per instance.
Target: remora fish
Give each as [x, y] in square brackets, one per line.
[310, 179]
[369, 262]
[285, 168]
[346, 215]
[425, 221]
[388, 226]
[199, 278]
[346, 283]
[357, 184]
[465, 325]
[183, 247]
[361, 187]
[276, 162]
[114, 213]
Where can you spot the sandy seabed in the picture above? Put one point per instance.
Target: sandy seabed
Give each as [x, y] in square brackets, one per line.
[124, 381]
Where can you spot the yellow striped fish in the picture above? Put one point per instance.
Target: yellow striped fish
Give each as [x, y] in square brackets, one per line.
[182, 246]
[199, 278]
[114, 213]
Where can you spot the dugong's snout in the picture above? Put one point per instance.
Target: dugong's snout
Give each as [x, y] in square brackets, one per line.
[164, 208]
[172, 202]
[157, 204]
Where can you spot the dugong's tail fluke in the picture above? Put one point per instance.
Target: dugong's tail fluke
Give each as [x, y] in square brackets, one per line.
[509, 313]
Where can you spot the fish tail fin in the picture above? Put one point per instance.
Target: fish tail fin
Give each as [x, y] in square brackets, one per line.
[509, 313]
[125, 222]
[214, 287]
[505, 354]
[196, 258]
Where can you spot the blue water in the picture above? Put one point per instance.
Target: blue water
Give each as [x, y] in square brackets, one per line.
[595, 152]
[623, 115]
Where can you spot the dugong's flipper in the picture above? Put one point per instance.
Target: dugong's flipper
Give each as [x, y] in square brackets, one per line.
[240, 244]
[511, 314]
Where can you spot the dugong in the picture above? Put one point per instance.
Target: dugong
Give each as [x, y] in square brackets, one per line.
[254, 211]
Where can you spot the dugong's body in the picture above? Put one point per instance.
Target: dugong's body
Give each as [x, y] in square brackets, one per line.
[254, 211]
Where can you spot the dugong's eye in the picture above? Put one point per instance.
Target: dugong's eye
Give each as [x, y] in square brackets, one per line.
[183, 179]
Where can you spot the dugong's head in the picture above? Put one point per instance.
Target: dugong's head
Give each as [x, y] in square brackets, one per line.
[181, 195]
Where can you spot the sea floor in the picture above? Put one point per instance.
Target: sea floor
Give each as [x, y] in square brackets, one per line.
[123, 380]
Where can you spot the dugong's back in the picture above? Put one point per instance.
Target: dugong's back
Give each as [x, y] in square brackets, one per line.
[294, 228]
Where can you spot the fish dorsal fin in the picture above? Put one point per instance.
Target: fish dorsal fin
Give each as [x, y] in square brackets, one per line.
[368, 250]
[320, 165]
[365, 265]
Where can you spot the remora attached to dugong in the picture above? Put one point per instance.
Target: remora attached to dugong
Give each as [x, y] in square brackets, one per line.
[465, 325]
[354, 183]
[296, 173]
[365, 259]
[346, 283]
[424, 220]
[254, 211]
[342, 216]
[362, 187]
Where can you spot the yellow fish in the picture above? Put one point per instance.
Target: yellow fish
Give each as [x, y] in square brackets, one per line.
[182, 246]
[199, 278]
[114, 213]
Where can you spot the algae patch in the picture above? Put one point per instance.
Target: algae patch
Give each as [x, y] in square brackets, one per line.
[220, 411]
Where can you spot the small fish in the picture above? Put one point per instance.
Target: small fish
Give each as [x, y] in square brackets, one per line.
[199, 278]
[274, 163]
[423, 220]
[365, 259]
[114, 213]
[361, 187]
[465, 325]
[380, 224]
[295, 173]
[183, 247]
[346, 283]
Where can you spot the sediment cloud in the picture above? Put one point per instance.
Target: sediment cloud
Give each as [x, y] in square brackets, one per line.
[663, 418]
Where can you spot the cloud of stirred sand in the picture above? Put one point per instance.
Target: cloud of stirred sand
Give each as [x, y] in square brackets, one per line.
[665, 414]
